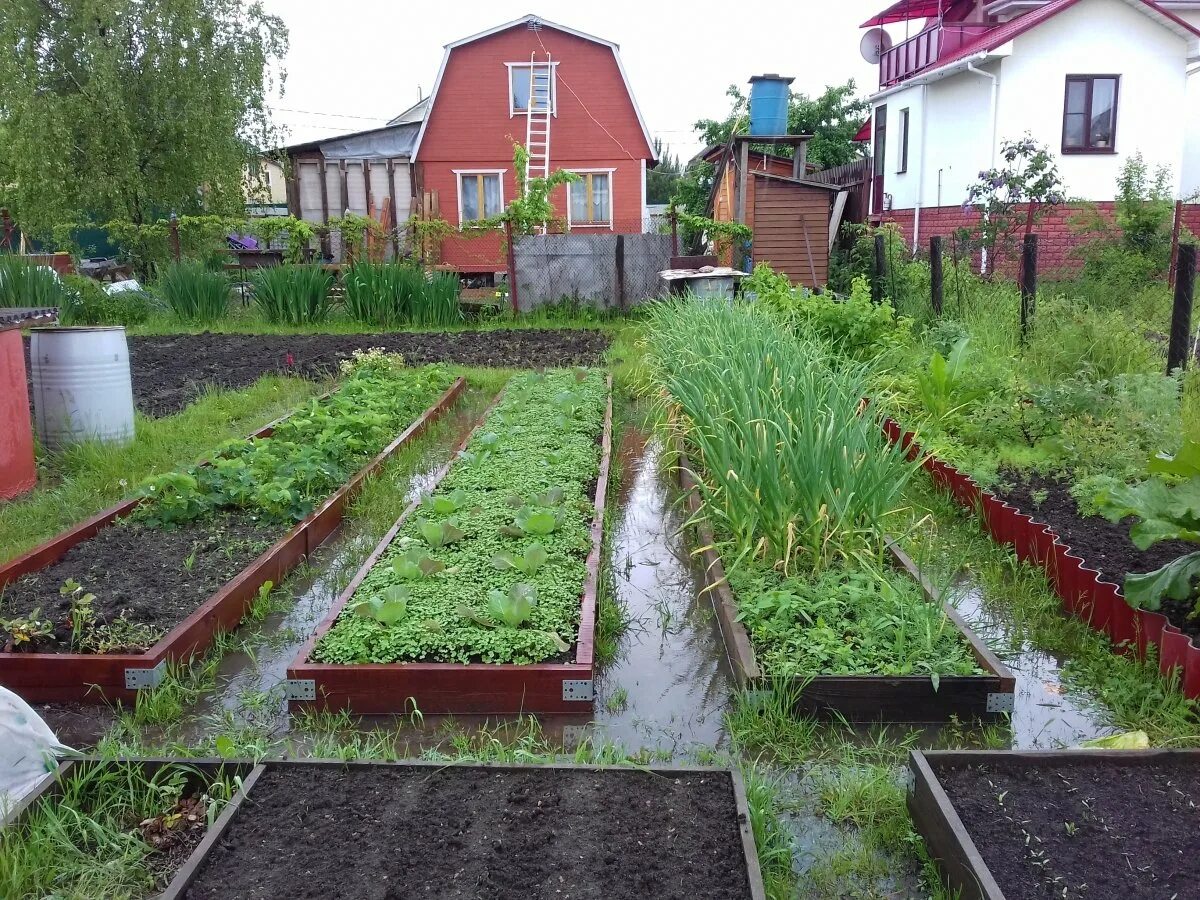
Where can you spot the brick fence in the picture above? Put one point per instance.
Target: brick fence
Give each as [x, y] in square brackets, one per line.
[1058, 231]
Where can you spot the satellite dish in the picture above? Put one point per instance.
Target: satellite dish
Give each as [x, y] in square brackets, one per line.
[874, 44]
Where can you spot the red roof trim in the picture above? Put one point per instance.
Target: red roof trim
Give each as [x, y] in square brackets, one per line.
[863, 133]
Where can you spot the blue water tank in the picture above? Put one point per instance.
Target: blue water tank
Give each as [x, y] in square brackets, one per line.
[769, 95]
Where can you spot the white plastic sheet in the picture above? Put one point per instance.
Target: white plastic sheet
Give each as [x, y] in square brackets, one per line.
[28, 748]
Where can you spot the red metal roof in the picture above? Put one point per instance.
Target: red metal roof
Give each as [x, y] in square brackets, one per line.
[864, 133]
[1002, 34]
[908, 9]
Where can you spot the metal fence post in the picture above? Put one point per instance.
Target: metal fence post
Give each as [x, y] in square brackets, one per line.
[511, 254]
[936, 286]
[674, 217]
[620, 261]
[1029, 257]
[1181, 313]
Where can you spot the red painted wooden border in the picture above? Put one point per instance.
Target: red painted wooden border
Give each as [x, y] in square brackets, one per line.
[477, 688]
[42, 677]
[1099, 603]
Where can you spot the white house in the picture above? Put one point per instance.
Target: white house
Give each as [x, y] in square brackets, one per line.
[1095, 80]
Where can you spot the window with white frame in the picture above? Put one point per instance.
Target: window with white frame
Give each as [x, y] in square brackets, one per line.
[521, 82]
[480, 195]
[590, 199]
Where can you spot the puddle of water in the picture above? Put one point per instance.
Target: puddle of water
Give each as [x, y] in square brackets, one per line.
[1046, 716]
[668, 689]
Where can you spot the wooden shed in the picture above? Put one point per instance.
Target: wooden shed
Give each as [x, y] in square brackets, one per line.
[790, 214]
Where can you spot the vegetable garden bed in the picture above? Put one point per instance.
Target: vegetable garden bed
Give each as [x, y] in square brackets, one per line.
[174, 575]
[903, 698]
[1086, 823]
[482, 597]
[365, 829]
[1083, 592]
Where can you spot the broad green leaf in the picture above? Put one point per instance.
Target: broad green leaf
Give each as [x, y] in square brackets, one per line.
[1173, 580]
[1186, 462]
[1128, 740]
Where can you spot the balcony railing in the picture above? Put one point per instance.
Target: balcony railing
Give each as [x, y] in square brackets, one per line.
[924, 50]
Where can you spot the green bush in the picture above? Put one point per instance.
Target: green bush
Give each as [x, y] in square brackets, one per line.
[86, 302]
[25, 284]
[193, 293]
[293, 295]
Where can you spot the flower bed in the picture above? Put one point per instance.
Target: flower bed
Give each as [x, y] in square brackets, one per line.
[1084, 594]
[469, 830]
[1059, 824]
[481, 598]
[97, 612]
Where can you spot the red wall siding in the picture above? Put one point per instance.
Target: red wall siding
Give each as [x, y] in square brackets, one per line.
[469, 128]
[1058, 233]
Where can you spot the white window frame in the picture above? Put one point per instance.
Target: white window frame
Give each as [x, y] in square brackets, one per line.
[458, 177]
[513, 111]
[612, 200]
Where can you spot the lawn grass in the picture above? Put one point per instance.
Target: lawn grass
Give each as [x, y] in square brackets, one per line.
[88, 477]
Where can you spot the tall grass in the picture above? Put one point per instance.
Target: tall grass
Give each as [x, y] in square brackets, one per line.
[193, 293]
[293, 295]
[788, 465]
[393, 294]
[25, 284]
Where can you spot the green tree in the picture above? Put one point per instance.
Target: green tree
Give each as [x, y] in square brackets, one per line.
[833, 118]
[660, 181]
[128, 109]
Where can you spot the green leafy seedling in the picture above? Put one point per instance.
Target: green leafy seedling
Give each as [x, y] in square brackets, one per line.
[552, 497]
[388, 609]
[513, 608]
[446, 504]
[415, 565]
[534, 521]
[527, 564]
[439, 534]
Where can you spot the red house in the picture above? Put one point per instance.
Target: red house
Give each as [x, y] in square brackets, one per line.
[561, 93]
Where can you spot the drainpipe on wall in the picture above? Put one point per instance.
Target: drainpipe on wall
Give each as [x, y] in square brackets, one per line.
[995, 113]
[921, 169]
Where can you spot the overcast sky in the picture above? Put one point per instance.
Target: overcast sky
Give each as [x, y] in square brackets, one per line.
[354, 64]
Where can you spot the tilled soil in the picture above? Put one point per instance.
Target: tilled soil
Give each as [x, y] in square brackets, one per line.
[153, 576]
[1098, 828]
[1103, 545]
[382, 832]
[171, 371]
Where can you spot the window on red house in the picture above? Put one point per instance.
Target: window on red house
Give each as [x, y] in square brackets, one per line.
[480, 196]
[520, 77]
[1090, 114]
[591, 199]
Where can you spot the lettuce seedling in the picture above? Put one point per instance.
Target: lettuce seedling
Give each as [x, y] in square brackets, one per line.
[388, 609]
[533, 521]
[439, 534]
[445, 504]
[415, 565]
[515, 607]
[527, 564]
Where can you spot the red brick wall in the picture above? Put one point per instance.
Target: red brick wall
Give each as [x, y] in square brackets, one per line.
[470, 128]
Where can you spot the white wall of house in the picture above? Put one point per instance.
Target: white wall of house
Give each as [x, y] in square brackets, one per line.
[1100, 37]
[1158, 107]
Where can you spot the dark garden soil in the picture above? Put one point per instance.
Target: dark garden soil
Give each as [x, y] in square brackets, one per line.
[1099, 828]
[171, 371]
[376, 833]
[1103, 545]
[150, 576]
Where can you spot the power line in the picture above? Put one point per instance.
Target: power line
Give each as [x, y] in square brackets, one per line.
[313, 112]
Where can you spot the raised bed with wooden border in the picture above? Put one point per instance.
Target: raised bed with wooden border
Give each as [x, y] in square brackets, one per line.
[857, 698]
[1011, 825]
[1084, 595]
[97, 678]
[493, 830]
[460, 688]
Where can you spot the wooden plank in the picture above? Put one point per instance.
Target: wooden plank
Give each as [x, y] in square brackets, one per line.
[835, 220]
[743, 173]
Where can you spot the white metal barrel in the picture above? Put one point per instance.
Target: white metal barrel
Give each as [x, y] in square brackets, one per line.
[81, 386]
